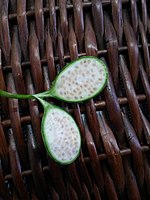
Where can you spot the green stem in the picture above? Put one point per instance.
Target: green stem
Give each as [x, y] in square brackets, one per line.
[44, 103]
[16, 96]
[44, 94]
[48, 93]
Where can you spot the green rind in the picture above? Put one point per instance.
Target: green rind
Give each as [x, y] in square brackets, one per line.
[45, 140]
[54, 93]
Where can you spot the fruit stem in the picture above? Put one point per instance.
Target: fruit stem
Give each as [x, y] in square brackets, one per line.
[48, 93]
[44, 103]
[16, 96]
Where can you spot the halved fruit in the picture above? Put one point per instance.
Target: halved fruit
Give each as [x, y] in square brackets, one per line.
[60, 134]
[80, 80]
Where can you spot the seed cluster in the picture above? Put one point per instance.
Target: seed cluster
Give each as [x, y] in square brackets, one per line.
[81, 80]
[62, 135]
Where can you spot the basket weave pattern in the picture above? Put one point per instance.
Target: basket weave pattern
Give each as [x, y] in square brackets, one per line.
[37, 38]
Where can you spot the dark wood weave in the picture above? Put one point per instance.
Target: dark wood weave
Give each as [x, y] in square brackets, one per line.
[37, 38]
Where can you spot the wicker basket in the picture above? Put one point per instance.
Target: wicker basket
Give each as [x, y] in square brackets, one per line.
[37, 38]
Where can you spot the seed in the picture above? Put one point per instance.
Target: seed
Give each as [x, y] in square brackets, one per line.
[76, 143]
[66, 142]
[59, 155]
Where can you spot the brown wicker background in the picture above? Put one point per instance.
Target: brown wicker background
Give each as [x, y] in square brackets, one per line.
[37, 38]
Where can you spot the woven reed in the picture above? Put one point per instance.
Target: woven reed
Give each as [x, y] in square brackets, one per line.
[37, 38]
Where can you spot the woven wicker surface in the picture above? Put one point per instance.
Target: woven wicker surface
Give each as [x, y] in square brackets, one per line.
[37, 38]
